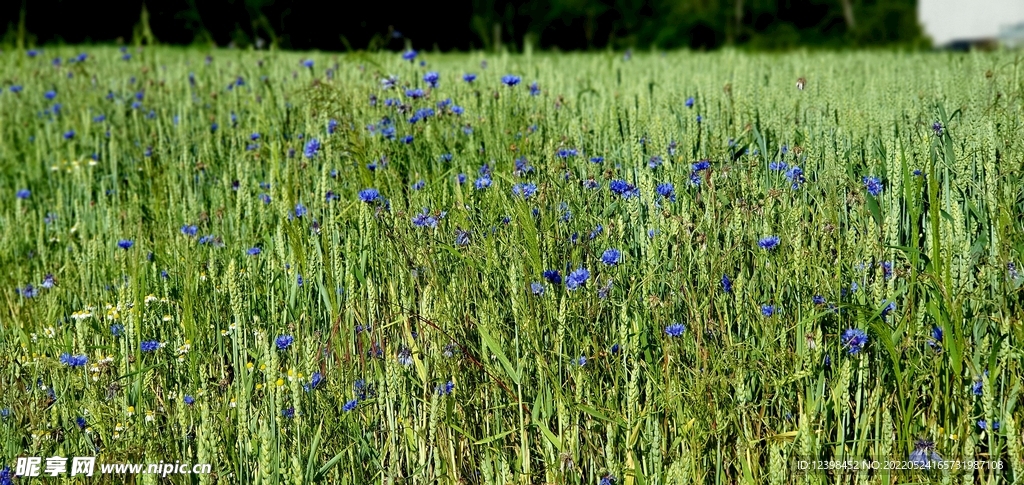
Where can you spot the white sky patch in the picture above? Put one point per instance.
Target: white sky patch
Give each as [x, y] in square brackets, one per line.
[949, 20]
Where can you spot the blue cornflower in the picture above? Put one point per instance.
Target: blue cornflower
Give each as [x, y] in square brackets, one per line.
[73, 360]
[937, 128]
[350, 405]
[675, 330]
[265, 198]
[689, 102]
[524, 190]
[873, 185]
[611, 257]
[461, 178]
[69, 134]
[283, 341]
[308, 63]
[537, 288]
[99, 118]
[369, 195]
[566, 152]
[312, 147]
[924, 455]
[458, 111]
[610, 479]
[469, 77]
[445, 157]
[253, 251]
[49, 95]
[917, 172]
[534, 89]
[976, 388]
[605, 290]
[483, 182]
[778, 166]
[23, 194]
[415, 93]
[81, 422]
[795, 176]
[667, 190]
[576, 279]
[405, 356]
[117, 330]
[418, 185]
[596, 159]
[47, 281]
[288, 413]
[314, 382]
[125, 244]
[854, 339]
[446, 388]
[510, 80]
[769, 242]
[654, 162]
[389, 83]
[28, 291]
[409, 55]
[254, 136]
[598, 229]
[886, 269]
[818, 300]
[461, 237]
[432, 78]
[424, 219]
[189, 230]
[189, 400]
[767, 310]
[213, 127]
[581, 361]
[300, 210]
[552, 276]
[407, 139]
[149, 346]
[621, 187]
[726, 284]
[701, 165]
[936, 340]
[522, 166]
[332, 126]
[207, 239]
[592, 184]
[16, 88]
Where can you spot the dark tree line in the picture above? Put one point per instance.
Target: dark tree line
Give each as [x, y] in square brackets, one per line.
[468, 24]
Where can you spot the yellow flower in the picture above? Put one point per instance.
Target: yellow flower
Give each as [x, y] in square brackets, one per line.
[280, 382]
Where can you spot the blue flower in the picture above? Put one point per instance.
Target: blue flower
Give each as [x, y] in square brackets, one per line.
[314, 382]
[483, 182]
[283, 341]
[288, 413]
[510, 80]
[654, 162]
[937, 128]
[566, 152]
[469, 77]
[409, 55]
[415, 93]
[312, 147]
[47, 281]
[581, 361]
[49, 95]
[537, 288]
[189, 230]
[99, 118]
[253, 251]
[598, 229]
[125, 244]
[369, 195]
[621, 187]
[552, 276]
[431, 78]
[576, 279]
[73, 360]
[69, 134]
[308, 63]
[424, 219]
[524, 190]
[189, 400]
[924, 455]
[16, 88]
[446, 388]
[767, 310]
[769, 242]
[300, 210]
[461, 178]
[405, 356]
[23, 194]
[873, 185]
[667, 190]
[611, 257]
[818, 300]
[795, 176]
[81, 422]
[149, 346]
[407, 139]
[854, 339]
[689, 102]
[701, 165]
[675, 330]
[596, 159]
[726, 284]
[610, 479]
[534, 89]
[461, 237]
[778, 166]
